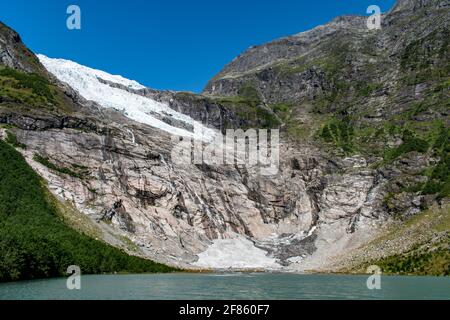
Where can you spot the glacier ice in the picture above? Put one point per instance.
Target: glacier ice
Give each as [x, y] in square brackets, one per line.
[142, 109]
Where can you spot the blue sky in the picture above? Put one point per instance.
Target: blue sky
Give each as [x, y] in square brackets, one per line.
[167, 44]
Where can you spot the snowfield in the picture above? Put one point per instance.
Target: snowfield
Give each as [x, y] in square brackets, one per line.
[236, 253]
[136, 107]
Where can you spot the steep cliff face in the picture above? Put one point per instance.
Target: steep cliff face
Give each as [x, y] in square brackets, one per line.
[122, 175]
[364, 122]
[377, 93]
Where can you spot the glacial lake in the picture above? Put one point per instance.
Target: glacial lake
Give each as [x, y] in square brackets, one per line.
[229, 286]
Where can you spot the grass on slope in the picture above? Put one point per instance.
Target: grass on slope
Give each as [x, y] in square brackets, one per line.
[22, 91]
[420, 246]
[419, 262]
[34, 240]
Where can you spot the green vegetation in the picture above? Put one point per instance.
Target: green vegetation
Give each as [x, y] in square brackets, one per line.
[267, 118]
[29, 91]
[410, 143]
[432, 179]
[282, 109]
[12, 140]
[340, 133]
[432, 50]
[34, 240]
[427, 257]
[248, 92]
[38, 84]
[80, 174]
[439, 175]
[366, 89]
[247, 106]
[296, 65]
[247, 97]
[352, 129]
[419, 245]
[439, 180]
[298, 123]
[436, 262]
[79, 166]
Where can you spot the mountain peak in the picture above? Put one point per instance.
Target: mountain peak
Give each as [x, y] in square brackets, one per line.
[14, 54]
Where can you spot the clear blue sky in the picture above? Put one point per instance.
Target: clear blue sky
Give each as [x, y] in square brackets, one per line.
[167, 44]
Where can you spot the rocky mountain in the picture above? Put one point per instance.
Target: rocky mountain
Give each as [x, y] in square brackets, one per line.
[364, 120]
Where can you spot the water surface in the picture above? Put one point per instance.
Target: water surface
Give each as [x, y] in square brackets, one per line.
[230, 286]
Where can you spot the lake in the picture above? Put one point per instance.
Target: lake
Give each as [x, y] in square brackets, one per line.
[230, 286]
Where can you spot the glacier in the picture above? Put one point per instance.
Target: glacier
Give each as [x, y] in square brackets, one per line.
[86, 81]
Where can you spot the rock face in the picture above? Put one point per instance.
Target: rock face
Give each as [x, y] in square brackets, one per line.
[174, 212]
[306, 65]
[272, 66]
[14, 54]
[329, 195]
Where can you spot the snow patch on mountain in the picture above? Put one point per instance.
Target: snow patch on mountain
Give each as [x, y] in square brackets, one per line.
[235, 253]
[142, 109]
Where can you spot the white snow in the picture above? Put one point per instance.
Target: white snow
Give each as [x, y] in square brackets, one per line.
[237, 253]
[297, 259]
[311, 231]
[139, 108]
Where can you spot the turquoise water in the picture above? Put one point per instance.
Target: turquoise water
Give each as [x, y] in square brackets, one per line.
[229, 286]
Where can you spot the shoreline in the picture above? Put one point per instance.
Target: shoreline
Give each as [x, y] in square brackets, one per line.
[236, 272]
